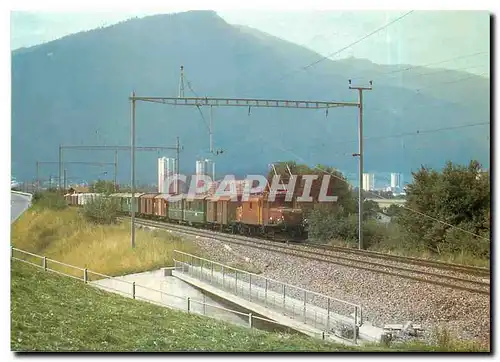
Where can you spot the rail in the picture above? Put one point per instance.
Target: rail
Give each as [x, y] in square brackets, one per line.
[463, 268]
[466, 284]
[312, 308]
[185, 304]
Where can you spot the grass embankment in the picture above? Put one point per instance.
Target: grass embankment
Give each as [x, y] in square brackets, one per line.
[66, 236]
[54, 313]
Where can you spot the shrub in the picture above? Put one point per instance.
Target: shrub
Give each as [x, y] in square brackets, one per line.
[326, 226]
[458, 195]
[101, 210]
[49, 200]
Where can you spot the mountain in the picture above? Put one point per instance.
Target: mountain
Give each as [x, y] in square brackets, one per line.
[74, 91]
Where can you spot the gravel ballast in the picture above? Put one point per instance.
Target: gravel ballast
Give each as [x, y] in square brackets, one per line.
[385, 299]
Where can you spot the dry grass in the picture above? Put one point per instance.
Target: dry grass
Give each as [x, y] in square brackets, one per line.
[67, 237]
[463, 258]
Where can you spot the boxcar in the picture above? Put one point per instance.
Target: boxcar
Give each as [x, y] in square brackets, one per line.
[195, 210]
[84, 198]
[211, 210]
[221, 211]
[161, 206]
[147, 204]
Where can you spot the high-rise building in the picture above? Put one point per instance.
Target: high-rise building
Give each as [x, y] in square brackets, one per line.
[167, 171]
[368, 181]
[396, 181]
[206, 168]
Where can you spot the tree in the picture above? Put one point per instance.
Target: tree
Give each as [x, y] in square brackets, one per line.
[370, 209]
[102, 187]
[393, 210]
[338, 185]
[458, 195]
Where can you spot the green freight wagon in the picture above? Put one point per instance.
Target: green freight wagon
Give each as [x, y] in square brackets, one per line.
[120, 200]
[175, 207]
[126, 201]
[195, 210]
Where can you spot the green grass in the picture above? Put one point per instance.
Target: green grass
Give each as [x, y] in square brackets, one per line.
[55, 313]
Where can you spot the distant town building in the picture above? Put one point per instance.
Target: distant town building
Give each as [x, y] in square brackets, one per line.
[206, 168]
[396, 182]
[167, 171]
[368, 181]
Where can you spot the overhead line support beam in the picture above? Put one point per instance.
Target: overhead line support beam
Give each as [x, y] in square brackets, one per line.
[216, 102]
[244, 102]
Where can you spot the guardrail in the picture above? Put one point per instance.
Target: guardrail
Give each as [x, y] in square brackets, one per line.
[315, 309]
[186, 304]
[22, 193]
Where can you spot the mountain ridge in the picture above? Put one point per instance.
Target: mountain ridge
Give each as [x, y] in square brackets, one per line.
[84, 84]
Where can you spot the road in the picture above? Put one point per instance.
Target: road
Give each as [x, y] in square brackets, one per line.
[18, 204]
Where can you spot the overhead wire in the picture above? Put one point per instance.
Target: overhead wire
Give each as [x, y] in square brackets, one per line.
[406, 207]
[449, 70]
[197, 106]
[338, 51]
[418, 90]
[418, 132]
[421, 66]
[431, 217]
[453, 81]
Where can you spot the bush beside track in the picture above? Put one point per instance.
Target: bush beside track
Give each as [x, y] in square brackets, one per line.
[67, 236]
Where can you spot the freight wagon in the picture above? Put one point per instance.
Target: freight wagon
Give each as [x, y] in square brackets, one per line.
[255, 216]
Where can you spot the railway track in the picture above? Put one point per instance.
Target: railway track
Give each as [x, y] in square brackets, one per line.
[463, 277]
[473, 270]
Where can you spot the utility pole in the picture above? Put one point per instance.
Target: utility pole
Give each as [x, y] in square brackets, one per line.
[181, 83]
[37, 176]
[360, 155]
[116, 170]
[177, 182]
[115, 149]
[229, 102]
[60, 165]
[64, 178]
[211, 131]
[132, 156]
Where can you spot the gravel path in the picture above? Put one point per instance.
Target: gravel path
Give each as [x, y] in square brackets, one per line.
[385, 299]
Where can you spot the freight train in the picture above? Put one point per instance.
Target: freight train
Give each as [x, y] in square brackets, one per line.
[256, 216]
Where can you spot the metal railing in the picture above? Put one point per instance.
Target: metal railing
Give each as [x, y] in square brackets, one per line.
[317, 310]
[133, 290]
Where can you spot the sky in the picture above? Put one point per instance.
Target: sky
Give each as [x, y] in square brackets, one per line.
[420, 38]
